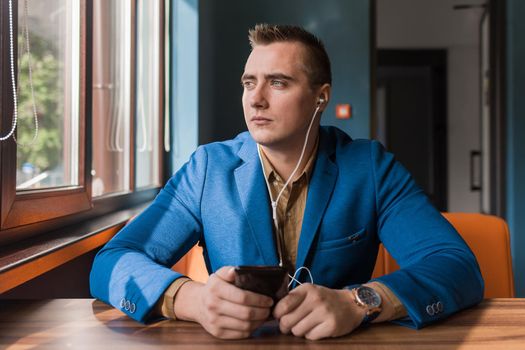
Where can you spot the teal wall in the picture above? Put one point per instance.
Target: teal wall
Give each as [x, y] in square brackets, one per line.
[516, 137]
[344, 26]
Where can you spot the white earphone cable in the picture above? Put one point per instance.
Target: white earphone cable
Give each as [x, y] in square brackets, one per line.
[292, 278]
[276, 201]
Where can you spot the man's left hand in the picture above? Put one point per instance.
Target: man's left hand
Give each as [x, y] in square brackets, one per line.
[317, 312]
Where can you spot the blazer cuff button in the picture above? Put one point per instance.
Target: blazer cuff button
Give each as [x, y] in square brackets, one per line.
[430, 310]
[440, 306]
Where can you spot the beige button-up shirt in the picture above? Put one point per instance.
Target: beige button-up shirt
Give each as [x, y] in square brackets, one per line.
[291, 205]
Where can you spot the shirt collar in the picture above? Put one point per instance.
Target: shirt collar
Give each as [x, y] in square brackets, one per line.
[271, 174]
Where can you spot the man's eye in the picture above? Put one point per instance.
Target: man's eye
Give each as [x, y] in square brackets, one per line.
[278, 83]
[248, 84]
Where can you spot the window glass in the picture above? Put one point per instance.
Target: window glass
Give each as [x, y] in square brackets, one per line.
[48, 83]
[148, 98]
[112, 55]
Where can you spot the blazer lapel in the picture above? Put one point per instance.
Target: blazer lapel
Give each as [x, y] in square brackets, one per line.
[320, 191]
[255, 201]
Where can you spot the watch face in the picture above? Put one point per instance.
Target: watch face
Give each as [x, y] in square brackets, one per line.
[368, 296]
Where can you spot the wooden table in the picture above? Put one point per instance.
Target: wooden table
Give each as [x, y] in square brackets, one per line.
[90, 324]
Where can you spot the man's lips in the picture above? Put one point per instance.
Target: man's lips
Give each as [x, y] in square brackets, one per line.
[260, 120]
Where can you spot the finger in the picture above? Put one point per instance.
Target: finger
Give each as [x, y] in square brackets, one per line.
[231, 293]
[317, 332]
[305, 325]
[233, 324]
[243, 312]
[226, 273]
[290, 320]
[289, 303]
[230, 334]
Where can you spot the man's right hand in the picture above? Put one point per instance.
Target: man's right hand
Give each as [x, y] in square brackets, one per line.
[223, 309]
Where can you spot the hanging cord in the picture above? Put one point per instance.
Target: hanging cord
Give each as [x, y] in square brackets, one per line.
[30, 71]
[13, 81]
[113, 112]
[141, 108]
[117, 74]
[274, 202]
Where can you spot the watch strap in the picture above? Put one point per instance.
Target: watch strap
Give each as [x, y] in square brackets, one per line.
[369, 317]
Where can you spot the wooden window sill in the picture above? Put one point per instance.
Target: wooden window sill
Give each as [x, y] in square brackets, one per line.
[25, 260]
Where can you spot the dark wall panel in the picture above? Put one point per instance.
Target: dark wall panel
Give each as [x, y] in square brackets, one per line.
[344, 26]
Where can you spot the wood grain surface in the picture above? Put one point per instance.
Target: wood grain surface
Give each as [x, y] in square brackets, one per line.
[91, 324]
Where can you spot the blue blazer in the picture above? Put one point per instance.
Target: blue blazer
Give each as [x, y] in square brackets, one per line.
[358, 196]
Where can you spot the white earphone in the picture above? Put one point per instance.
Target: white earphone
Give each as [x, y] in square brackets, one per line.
[279, 237]
[320, 101]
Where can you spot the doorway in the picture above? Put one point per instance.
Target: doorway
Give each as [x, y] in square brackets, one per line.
[412, 115]
[454, 120]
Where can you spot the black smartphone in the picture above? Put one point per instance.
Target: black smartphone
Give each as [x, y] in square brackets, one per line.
[267, 280]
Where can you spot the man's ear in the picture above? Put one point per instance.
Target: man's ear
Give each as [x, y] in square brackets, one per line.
[324, 96]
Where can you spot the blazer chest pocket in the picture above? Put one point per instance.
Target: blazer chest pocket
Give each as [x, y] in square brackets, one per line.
[349, 240]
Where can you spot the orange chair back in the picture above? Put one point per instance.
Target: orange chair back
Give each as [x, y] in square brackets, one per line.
[192, 265]
[488, 238]
[486, 235]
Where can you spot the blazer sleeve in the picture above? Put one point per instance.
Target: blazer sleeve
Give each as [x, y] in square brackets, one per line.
[439, 275]
[134, 268]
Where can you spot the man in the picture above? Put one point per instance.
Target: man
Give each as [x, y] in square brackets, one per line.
[344, 197]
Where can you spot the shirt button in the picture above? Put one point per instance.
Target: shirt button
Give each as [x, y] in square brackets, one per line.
[132, 308]
[122, 303]
[128, 305]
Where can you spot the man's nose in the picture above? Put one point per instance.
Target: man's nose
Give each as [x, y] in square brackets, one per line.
[258, 98]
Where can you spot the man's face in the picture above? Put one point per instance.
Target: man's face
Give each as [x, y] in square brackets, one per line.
[278, 100]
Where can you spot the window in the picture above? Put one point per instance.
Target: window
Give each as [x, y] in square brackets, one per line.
[43, 171]
[48, 150]
[93, 70]
[112, 100]
[149, 103]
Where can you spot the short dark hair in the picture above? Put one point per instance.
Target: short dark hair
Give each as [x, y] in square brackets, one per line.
[317, 62]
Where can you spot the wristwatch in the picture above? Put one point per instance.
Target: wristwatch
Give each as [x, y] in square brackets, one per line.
[369, 299]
